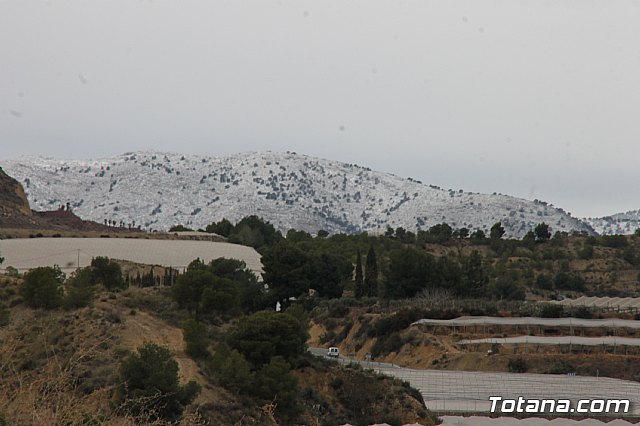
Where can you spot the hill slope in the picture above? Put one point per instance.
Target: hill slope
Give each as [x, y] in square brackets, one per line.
[159, 190]
[620, 223]
[15, 211]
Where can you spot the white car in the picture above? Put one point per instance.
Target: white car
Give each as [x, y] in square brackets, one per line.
[333, 352]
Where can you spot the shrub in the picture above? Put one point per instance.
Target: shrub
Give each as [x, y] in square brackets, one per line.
[586, 252]
[386, 345]
[107, 272]
[42, 287]
[195, 338]
[5, 317]
[561, 367]
[518, 365]
[150, 384]
[544, 282]
[582, 312]
[232, 369]
[199, 290]
[614, 241]
[80, 290]
[263, 335]
[568, 281]
[274, 382]
[550, 310]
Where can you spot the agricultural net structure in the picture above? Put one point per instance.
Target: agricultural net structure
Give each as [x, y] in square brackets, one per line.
[622, 304]
[531, 321]
[70, 253]
[469, 391]
[531, 421]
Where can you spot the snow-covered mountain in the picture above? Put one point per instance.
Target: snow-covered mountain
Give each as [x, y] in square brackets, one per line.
[159, 190]
[620, 223]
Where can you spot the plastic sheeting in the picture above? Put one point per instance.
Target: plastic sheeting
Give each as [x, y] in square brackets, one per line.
[557, 340]
[533, 321]
[603, 302]
[532, 421]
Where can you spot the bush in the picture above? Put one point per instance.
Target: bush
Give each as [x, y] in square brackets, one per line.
[232, 369]
[561, 367]
[614, 241]
[568, 281]
[263, 335]
[42, 287]
[150, 384]
[550, 310]
[274, 382]
[386, 345]
[195, 338]
[544, 282]
[199, 291]
[80, 290]
[586, 252]
[5, 317]
[107, 272]
[518, 365]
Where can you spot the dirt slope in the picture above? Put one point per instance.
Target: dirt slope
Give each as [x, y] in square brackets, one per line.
[140, 328]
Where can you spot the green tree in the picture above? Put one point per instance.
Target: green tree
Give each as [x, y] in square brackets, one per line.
[200, 292]
[359, 283]
[274, 382]
[223, 228]
[478, 236]
[322, 234]
[463, 233]
[542, 232]
[79, 289]
[42, 287]
[474, 276]
[221, 296]
[586, 252]
[410, 271]
[440, 233]
[195, 338]
[179, 228]
[286, 272]
[250, 291]
[529, 239]
[263, 335]
[371, 274]
[497, 231]
[544, 282]
[255, 232]
[232, 369]
[329, 272]
[187, 291]
[107, 272]
[150, 385]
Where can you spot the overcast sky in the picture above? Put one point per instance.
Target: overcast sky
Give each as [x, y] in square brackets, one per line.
[537, 99]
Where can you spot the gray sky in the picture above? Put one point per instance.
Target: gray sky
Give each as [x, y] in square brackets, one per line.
[538, 99]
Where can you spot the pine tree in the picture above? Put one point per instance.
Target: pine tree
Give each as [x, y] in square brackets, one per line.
[371, 274]
[359, 285]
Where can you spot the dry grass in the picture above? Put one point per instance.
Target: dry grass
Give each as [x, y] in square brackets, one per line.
[48, 360]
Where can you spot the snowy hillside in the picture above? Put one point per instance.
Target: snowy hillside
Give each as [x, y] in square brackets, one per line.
[620, 223]
[159, 190]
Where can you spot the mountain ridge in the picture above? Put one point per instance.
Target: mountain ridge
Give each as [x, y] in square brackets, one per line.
[157, 190]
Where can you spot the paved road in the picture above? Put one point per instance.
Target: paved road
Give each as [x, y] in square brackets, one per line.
[470, 391]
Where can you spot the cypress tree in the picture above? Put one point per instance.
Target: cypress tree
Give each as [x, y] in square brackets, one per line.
[371, 274]
[359, 285]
